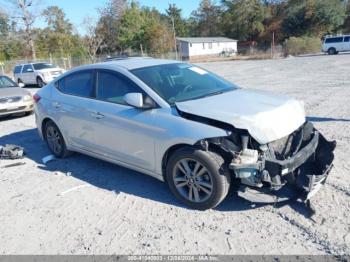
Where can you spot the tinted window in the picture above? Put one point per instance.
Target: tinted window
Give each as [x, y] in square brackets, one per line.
[78, 84]
[17, 69]
[347, 39]
[40, 66]
[27, 68]
[181, 82]
[334, 40]
[6, 82]
[112, 87]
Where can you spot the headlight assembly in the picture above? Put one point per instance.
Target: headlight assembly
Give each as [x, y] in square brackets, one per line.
[27, 98]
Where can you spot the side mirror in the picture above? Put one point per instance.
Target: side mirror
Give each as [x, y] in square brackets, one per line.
[134, 99]
[21, 85]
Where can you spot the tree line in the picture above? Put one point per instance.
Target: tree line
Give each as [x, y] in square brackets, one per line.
[122, 25]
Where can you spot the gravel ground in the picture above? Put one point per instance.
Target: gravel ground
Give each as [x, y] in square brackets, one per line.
[100, 208]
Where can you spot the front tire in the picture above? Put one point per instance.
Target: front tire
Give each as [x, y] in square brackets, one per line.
[40, 82]
[332, 51]
[200, 179]
[55, 140]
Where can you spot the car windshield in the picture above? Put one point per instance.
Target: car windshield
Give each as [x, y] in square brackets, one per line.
[182, 82]
[40, 66]
[6, 82]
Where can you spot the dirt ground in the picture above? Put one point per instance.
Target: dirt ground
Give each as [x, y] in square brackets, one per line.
[82, 205]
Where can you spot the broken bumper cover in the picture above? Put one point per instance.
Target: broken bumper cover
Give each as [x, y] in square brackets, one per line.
[301, 175]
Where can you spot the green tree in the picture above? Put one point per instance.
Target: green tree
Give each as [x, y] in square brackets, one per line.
[174, 14]
[207, 19]
[144, 29]
[313, 17]
[131, 28]
[4, 25]
[244, 19]
[346, 26]
[109, 22]
[56, 20]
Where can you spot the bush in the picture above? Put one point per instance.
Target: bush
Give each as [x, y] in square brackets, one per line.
[302, 45]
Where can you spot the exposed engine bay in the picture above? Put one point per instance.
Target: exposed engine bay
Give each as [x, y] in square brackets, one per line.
[295, 166]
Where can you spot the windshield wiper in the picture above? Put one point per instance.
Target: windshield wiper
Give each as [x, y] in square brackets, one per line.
[213, 94]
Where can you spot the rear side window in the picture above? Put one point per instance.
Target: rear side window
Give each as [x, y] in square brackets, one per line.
[78, 84]
[112, 87]
[347, 39]
[334, 40]
[27, 69]
[17, 70]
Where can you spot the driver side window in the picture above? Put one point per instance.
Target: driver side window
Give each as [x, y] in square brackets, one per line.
[112, 87]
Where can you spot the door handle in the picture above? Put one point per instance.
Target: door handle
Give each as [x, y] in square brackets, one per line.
[56, 105]
[97, 115]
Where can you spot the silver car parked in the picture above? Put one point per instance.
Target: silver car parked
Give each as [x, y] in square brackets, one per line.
[188, 127]
[36, 73]
[14, 99]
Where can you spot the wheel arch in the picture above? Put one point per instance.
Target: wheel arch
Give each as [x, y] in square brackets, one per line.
[168, 153]
[43, 124]
[206, 144]
[42, 128]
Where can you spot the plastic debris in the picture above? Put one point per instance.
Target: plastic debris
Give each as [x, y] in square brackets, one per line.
[73, 189]
[48, 158]
[11, 152]
[13, 165]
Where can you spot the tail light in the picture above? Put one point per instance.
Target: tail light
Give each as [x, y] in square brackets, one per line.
[36, 98]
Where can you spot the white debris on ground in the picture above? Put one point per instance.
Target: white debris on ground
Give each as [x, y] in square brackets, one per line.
[106, 209]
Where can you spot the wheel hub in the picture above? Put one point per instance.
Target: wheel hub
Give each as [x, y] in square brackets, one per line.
[192, 180]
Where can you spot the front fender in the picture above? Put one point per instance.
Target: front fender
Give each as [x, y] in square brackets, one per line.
[175, 130]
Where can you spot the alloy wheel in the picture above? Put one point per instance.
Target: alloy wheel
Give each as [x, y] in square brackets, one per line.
[54, 140]
[193, 180]
[40, 83]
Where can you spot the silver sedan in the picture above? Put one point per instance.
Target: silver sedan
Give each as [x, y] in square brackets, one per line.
[14, 99]
[186, 126]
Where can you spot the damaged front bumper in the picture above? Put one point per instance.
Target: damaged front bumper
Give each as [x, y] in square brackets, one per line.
[300, 175]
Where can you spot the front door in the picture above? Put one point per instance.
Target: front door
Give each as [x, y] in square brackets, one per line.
[27, 74]
[347, 43]
[122, 132]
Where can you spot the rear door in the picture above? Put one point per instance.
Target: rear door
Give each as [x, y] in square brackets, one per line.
[71, 103]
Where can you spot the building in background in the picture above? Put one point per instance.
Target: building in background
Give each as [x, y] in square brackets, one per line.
[193, 47]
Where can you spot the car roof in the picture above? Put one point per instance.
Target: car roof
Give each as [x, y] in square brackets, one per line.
[138, 62]
[33, 63]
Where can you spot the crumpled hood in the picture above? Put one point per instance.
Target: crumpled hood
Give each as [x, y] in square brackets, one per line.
[266, 117]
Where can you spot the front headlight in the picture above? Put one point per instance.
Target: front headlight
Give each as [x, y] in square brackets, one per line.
[27, 98]
[47, 74]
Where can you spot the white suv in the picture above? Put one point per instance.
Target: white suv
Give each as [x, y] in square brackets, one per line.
[335, 44]
[36, 73]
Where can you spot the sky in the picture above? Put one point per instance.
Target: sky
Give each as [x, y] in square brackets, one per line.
[76, 10]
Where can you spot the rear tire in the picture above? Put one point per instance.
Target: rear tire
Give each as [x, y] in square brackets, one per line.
[332, 51]
[55, 140]
[203, 182]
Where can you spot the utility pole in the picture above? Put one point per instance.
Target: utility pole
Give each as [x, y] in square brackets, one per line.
[273, 45]
[175, 45]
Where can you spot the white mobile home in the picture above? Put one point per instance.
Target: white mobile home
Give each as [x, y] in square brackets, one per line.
[190, 47]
